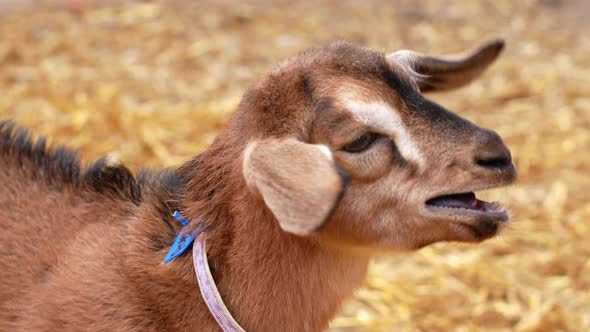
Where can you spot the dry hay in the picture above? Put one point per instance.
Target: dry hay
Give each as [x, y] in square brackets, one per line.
[154, 82]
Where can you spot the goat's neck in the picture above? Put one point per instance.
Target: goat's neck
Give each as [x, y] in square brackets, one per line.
[274, 282]
[269, 280]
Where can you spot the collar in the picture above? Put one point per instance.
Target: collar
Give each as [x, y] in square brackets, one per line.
[206, 282]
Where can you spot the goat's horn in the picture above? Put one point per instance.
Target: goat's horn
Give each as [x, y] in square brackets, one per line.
[448, 72]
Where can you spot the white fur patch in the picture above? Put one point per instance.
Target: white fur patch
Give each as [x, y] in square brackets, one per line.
[326, 150]
[245, 159]
[384, 119]
[247, 152]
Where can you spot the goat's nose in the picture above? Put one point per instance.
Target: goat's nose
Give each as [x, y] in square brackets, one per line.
[493, 153]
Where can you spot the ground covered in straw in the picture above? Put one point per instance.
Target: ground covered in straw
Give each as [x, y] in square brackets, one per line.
[152, 83]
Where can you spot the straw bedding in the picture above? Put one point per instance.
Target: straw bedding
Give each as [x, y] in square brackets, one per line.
[151, 83]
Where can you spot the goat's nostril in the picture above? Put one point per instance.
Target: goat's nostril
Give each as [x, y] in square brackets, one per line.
[494, 159]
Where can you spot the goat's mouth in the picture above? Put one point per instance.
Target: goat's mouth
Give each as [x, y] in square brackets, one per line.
[482, 219]
[465, 201]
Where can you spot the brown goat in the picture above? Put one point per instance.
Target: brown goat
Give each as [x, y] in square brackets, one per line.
[333, 156]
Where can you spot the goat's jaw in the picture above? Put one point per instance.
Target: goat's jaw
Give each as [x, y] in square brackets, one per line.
[480, 219]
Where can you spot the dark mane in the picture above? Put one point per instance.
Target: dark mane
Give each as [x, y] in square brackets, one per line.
[60, 166]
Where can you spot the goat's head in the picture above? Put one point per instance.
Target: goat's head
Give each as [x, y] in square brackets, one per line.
[343, 146]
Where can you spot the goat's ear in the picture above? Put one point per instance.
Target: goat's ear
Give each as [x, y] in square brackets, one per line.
[449, 72]
[299, 182]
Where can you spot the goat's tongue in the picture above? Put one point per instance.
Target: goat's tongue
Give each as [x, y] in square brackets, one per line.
[462, 201]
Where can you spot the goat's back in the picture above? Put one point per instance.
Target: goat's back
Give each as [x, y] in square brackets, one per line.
[54, 215]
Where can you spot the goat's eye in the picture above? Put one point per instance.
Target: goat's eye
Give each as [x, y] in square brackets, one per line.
[361, 143]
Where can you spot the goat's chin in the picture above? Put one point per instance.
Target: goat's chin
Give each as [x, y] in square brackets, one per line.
[477, 229]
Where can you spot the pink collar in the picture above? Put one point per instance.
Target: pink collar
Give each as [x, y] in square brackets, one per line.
[208, 289]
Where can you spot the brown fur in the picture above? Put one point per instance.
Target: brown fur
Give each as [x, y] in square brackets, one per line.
[82, 248]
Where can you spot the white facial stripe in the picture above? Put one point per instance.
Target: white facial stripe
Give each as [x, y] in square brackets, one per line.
[384, 119]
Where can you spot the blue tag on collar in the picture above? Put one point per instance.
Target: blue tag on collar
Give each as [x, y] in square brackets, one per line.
[183, 240]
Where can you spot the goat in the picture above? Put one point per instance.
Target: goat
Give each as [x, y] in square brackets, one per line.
[333, 156]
